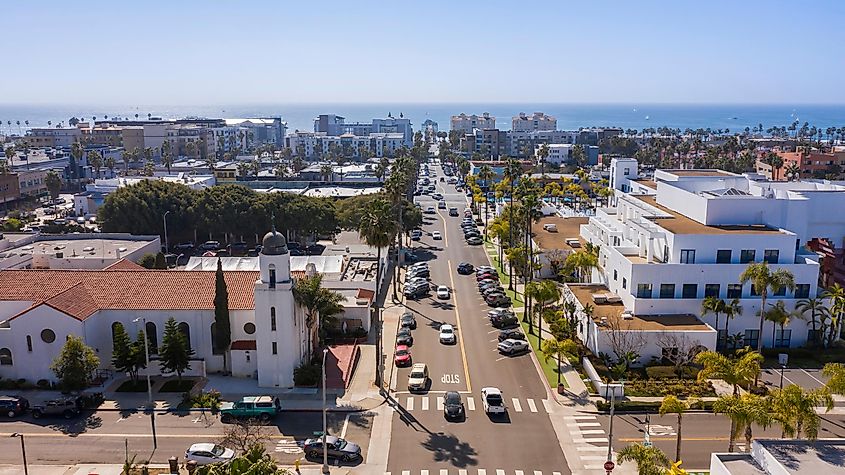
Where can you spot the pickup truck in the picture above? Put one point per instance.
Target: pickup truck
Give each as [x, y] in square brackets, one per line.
[64, 407]
[262, 408]
[493, 401]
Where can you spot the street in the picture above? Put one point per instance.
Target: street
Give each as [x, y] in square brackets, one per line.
[422, 440]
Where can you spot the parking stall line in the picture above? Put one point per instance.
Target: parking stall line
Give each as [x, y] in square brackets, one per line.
[409, 404]
[444, 471]
[471, 403]
[516, 405]
[424, 403]
[439, 403]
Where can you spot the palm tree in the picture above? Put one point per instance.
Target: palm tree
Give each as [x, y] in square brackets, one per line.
[673, 405]
[553, 348]
[110, 163]
[817, 310]
[96, 161]
[713, 305]
[649, 459]
[167, 155]
[732, 309]
[779, 316]
[836, 296]
[738, 371]
[512, 171]
[764, 279]
[743, 411]
[127, 156]
[321, 305]
[795, 410]
[792, 171]
[486, 173]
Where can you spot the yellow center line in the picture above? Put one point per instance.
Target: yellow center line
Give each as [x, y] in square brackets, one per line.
[461, 339]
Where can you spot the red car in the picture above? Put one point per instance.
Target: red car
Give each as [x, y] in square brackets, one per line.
[402, 356]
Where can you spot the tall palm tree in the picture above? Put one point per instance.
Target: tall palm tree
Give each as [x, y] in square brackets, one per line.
[743, 411]
[512, 172]
[836, 296]
[818, 312]
[739, 371]
[486, 173]
[795, 410]
[673, 405]
[553, 348]
[96, 161]
[649, 459]
[732, 310]
[167, 155]
[713, 305]
[764, 279]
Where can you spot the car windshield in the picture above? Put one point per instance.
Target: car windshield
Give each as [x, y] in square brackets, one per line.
[217, 450]
[453, 398]
[401, 352]
[417, 374]
[340, 444]
[494, 399]
[446, 330]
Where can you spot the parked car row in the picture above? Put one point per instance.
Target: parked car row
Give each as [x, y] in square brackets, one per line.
[471, 233]
[67, 407]
[490, 288]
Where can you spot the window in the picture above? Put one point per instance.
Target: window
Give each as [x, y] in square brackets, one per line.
[185, 329]
[711, 290]
[754, 292]
[746, 256]
[274, 348]
[687, 256]
[644, 291]
[626, 171]
[734, 291]
[624, 283]
[152, 337]
[272, 319]
[689, 291]
[28, 343]
[751, 338]
[5, 357]
[782, 338]
[779, 292]
[249, 328]
[615, 274]
[802, 291]
[48, 336]
[723, 256]
[272, 276]
[771, 256]
[667, 291]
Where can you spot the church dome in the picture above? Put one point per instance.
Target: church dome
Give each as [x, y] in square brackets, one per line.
[274, 244]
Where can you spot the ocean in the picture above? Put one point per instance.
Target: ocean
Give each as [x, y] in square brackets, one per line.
[734, 117]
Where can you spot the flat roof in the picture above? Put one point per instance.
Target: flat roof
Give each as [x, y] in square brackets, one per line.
[646, 182]
[83, 248]
[804, 457]
[567, 228]
[680, 224]
[740, 464]
[613, 313]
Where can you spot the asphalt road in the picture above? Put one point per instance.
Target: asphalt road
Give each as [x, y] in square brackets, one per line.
[422, 440]
[106, 436]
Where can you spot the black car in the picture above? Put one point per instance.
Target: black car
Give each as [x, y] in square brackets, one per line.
[504, 321]
[465, 268]
[453, 406]
[511, 334]
[184, 248]
[13, 406]
[404, 337]
[498, 300]
[417, 292]
[407, 320]
[337, 449]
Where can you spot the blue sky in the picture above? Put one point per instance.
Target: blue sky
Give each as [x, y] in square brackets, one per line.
[214, 52]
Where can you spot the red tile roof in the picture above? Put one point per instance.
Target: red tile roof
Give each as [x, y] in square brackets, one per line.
[366, 294]
[243, 345]
[124, 264]
[80, 293]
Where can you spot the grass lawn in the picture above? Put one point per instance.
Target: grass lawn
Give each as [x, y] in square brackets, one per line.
[176, 386]
[132, 386]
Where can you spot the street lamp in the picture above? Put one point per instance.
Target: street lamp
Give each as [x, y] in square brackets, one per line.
[23, 451]
[150, 404]
[325, 449]
[164, 218]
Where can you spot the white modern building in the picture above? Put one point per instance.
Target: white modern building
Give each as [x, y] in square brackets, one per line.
[335, 125]
[683, 235]
[558, 153]
[782, 457]
[466, 123]
[313, 144]
[536, 121]
[73, 251]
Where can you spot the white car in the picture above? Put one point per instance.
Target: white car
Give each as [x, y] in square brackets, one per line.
[443, 292]
[493, 401]
[511, 347]
[418, 379]
[436, 235]
[207, 453]
[447, 334]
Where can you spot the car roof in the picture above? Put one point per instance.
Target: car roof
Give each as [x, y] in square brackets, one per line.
[446, 326]
[202, 447]
[257, 399]
[442, 287]
[491, 390]
[418, 366]
[330, 439]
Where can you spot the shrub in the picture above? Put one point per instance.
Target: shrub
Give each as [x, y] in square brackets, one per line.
[665, 387]
[203, 399]
[637, 406]
[43, 384]
[307, 374]
[668, 372]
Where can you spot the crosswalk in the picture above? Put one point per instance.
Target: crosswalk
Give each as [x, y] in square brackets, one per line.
[435, 402]
[590, 440]
[474, 471]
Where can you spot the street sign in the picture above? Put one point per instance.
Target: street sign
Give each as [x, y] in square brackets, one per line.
[783, 358]
[609, 465]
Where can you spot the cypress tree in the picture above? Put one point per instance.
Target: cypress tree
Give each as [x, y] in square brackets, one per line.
[222, 324]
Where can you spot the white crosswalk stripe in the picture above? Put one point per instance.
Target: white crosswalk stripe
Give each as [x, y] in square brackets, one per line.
[518, 472]
[593, 458]
[462, 472]
[579, 418]
[594, 467]
[439, 403]
[481, 471]
[425, 405]
[555, 473]
[406, 472]
[589, 432]
[443, 471]
[531, 406]
[500, 472]
[591, 448]
[471, 403]
[537, 472]
[409, 405]
[590, 440]
[423, 472]
[516, 405]
[583, 424]
[547, 405]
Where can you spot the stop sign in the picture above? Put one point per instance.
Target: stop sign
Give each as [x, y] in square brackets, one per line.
[609, 465]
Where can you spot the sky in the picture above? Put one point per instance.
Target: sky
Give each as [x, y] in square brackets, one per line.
[192, 52]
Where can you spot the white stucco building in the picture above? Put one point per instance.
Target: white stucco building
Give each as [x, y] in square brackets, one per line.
[536, 121]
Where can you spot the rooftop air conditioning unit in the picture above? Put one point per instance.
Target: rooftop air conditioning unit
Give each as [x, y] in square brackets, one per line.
[599, 298]
[613, 298]
[627, 316]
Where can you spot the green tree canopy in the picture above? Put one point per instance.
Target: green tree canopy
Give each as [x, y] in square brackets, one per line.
[75, 364]
[174, 352]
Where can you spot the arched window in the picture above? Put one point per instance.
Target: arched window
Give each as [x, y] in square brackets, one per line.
[114, 329]
[272, 319]
[29, 343]
[272, 276]
[186, 330]
[152, 337]
[5, 357]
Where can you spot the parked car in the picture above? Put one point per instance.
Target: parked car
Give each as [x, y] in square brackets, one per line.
[504, 321]
[404, 337]
[474, 241]
[443, 292]
[500, 312]
[511, 334]
[417, 292]
[418, 272]
[402, 356]
[441, 204]
[436, 235]
[209, 246]
[416, 234]
[465, 268]
[208, 453]
[418, 379]
[430, 210]
[512, 346]
[453, 406]
[237, 248]
[447, 334]
[62, 407]
[498, 300]
[408, 320]
[13, 406]
[336, 448]
[262, 408]
[453, 211]
[492, 400]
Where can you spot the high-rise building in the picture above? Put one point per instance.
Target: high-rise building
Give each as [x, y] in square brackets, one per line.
[465, 123]
[537, 121]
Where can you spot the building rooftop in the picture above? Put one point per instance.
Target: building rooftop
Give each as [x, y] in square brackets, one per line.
[567, 228]
[740, 464]
[340, 191]
[677, 223]
[701, 172]
[611, 312]
[647, 182]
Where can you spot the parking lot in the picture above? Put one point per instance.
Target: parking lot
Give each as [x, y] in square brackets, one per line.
[806, 378]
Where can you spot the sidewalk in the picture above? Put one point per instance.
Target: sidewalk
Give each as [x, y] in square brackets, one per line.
[117, 469]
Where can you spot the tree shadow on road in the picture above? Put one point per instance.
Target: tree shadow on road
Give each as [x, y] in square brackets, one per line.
[442, 305]
[448, 448]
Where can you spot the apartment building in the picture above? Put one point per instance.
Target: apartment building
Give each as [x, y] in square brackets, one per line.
[335, 126]
[319, 144]
[46, 137]
[522, 143]
[561, 154]
[534, 122]
[491, 143]
[466, 123]
[811, 163]
[684, 235]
